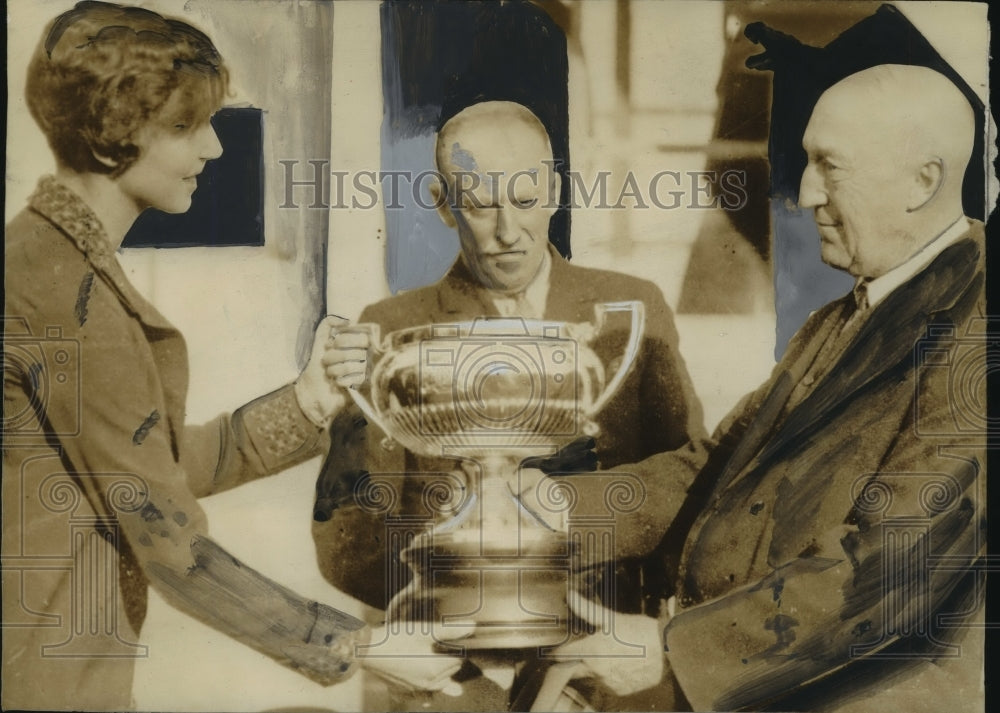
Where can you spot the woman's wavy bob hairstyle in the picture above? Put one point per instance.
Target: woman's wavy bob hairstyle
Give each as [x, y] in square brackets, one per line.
[102, 72]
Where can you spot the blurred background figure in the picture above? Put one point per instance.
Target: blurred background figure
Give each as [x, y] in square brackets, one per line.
[730, 266]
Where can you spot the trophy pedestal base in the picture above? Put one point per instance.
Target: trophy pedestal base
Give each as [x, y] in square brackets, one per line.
[497, 636]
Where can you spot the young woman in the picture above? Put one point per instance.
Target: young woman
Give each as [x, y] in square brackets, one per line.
[99, 468]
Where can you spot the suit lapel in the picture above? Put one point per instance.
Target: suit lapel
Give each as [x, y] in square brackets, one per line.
[81, 226]
[886, 339]
[130, 298]
[166, 344]
[569, 299]
[77, 223]
[797, 360]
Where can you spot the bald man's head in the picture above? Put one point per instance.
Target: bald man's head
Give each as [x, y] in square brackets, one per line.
[888, 148]
[915, 112]
[499, 191]
[486, 126]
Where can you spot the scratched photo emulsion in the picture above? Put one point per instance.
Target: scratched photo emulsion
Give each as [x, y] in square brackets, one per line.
[535, 355]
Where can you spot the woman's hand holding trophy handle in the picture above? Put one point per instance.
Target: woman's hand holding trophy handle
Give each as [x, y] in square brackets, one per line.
[338, 361]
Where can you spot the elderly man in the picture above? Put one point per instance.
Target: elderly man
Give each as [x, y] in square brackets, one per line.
[837, 526]
[497, 192]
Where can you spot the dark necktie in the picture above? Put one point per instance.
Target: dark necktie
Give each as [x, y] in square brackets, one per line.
[849, 323]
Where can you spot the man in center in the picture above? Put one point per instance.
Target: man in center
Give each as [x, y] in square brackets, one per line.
[496, 188]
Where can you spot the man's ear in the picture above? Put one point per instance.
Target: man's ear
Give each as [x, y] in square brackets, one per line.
[927, 182]
[555, 188]
[439, 192]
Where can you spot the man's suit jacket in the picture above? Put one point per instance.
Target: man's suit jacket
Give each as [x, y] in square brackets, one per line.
[832, 564]
[655, 410]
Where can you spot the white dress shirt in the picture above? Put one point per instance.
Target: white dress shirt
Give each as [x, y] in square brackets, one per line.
[529, 304]
[879, 287]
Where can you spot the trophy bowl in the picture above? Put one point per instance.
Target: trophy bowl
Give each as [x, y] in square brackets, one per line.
[490, 393]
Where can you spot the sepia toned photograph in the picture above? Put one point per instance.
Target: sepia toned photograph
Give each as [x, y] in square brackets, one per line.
[497, 355]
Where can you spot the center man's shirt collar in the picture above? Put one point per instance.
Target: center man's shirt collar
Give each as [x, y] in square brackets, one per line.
[529, 304]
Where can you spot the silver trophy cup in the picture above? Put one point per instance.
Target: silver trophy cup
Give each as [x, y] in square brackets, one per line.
[491, 393]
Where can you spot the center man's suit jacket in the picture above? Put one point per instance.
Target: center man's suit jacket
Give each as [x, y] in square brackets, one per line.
[654, 411]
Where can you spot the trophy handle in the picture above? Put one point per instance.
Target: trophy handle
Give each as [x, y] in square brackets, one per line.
[362, 401]
[367, 409]
[638, 312]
